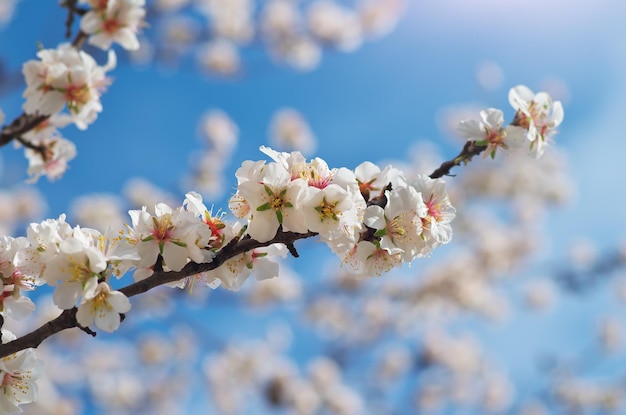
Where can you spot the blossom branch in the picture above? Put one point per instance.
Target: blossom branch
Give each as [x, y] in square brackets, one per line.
[27, 122]
[229, 251]
[470, 149]
[38, 148]
[67, 319]
[21, 125]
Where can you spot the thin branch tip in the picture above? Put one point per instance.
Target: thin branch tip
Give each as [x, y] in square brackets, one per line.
[292, 250]
[87, 330]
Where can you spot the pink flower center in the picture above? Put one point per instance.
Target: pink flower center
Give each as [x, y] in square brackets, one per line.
[77, 95]
[318, 180]
[101, 4]
[7, 380]
[494, 137]
[111, 26]
[162, 230]
[434, 208]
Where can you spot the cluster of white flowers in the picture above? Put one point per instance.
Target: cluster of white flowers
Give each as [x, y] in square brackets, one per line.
[49, 153]
[372, 219]
[536, 120]
[113, 21]
[62, 77]
[66, 78]
[175, 235]
[79, 263]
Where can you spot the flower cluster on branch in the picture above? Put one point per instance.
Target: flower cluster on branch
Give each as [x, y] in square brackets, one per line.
[64, 85]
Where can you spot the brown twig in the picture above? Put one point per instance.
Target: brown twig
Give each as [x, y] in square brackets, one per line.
[42, 150]
[72, 10]
[470, 149]
[80, 39]
[69, 21]
[21, 125]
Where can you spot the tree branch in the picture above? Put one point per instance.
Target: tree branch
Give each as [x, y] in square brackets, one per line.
[41, 149]
[67, 319]
[229, 251]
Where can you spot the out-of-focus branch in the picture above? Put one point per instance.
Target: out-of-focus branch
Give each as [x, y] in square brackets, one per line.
[19, 126]
[581, 279]
[72, 10]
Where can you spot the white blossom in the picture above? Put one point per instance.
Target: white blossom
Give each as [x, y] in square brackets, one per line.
[538, 114]
[234, 272]
[18, 373]
[76, 268]
[330, 212]
[366, 259]
[279, 18]
[489, 131]
[117, 21]
[104, 306]
[399, 223]
[66, 77]
[275, 200]
[52, 161]
[439, 214]
[176, 235]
